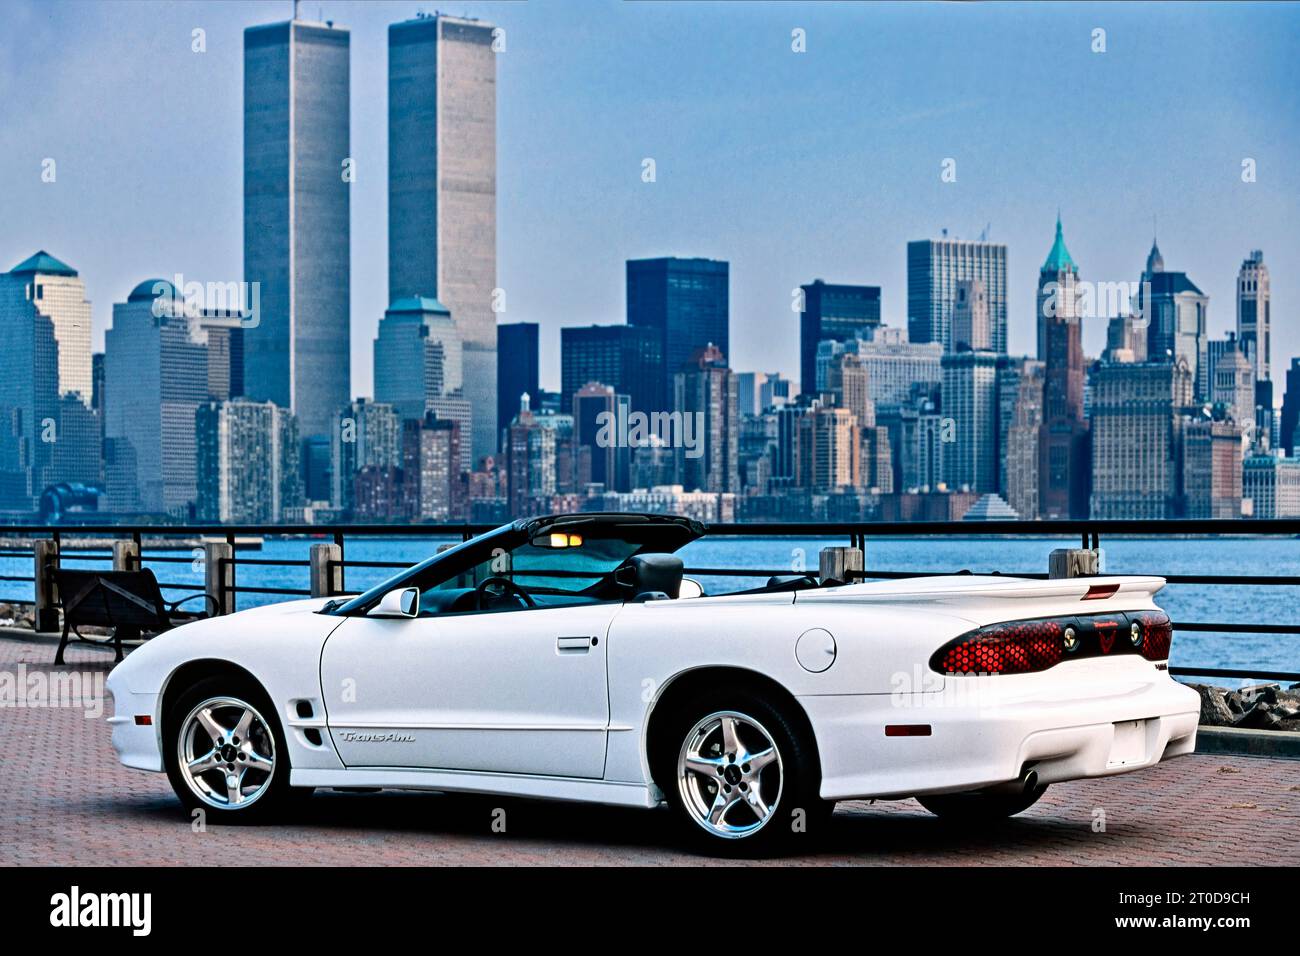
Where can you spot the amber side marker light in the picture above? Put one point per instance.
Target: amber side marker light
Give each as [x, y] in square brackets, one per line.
[1099, 592]
[907, 730]
[143, 720]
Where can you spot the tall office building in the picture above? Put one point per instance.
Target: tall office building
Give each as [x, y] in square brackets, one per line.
[1020, 424]
[78, 452]
[248, 470]
[225, 357]
[296, 218]
[455, 408]
[876, 472]
[1272, 485]
[1138, 413]
[705, 394]
[418, 356]
[748, 386]
[687, 302]
[1126, 339]
[29, 393]
[1212, 468]
[934, 267]
[1289, 422]
[1266, 417]
[970, 317]
[530, 463]
[627, 358]
[1175, 311]
[1254, 321]
[432, 468]
[830, 454]
[59, 294]
[774, 390]
[1063, 468]
[970, 462]
[518, 368]
[897, 370]
[155, 377]
[598, 412]
[847, 381]
[442, 190]
[835, 312]
[368, 435]
[1232, 382]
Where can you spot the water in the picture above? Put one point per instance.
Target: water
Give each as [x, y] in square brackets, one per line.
[1184, 602]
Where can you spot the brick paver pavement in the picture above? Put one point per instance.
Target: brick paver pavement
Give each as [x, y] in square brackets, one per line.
[66, 800]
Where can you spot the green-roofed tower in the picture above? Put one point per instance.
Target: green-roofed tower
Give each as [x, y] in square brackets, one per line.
[1063, 464]
[1058, 260]
[58, 293]
[44, 264]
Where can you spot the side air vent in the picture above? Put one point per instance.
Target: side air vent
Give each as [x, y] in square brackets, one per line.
[313, 736]
[304, 709]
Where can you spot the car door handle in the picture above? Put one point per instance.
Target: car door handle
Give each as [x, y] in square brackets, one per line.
[574, 645]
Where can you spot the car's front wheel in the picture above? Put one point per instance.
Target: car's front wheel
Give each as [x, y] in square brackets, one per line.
[740, 774]
[980, 807]
[225, 752]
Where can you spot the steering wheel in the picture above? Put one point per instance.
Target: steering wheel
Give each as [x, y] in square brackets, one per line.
[504, 586]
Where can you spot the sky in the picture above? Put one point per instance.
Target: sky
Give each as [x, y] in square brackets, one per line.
[791, 166]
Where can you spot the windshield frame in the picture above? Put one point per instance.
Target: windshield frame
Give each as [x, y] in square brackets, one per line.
[362, 603]
[664, 533]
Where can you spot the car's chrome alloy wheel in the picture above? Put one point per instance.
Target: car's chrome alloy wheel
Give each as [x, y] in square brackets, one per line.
[227, 753]
[729, 775]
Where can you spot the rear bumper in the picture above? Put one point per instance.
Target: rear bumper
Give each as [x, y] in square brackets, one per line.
[1074, 725]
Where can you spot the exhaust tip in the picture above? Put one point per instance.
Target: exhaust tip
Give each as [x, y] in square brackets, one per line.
[1031, 781]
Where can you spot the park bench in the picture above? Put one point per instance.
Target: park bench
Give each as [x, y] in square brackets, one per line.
[129, 602]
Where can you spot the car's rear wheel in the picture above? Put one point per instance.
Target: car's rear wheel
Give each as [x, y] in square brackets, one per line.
[980, 807]
[225, 752]
[740, 774]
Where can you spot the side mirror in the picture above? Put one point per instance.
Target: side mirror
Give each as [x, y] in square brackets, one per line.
[404, 602]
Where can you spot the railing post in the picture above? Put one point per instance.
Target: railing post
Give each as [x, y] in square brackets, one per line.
[45, 614]
[326, 570]
[835, 565]
[219, 574]
[126, 555]
[1074, 563]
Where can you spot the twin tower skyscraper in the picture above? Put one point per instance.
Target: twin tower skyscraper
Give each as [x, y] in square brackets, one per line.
[298, 169]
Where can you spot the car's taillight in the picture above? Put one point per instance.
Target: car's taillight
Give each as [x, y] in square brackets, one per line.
[1023, 647]
[1156, 633]
[1017, 647]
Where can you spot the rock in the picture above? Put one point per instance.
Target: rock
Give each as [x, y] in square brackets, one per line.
[1287, 708]
[1261, 717]
[1267, 693]
[1215, 711]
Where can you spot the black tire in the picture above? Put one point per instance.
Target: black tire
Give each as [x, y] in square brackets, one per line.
[798, 812]
[980, 807]
[273, 799]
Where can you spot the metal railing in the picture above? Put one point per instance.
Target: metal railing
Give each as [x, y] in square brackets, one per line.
[222, 563]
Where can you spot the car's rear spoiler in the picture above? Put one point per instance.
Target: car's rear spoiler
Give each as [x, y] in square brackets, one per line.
[969, 592]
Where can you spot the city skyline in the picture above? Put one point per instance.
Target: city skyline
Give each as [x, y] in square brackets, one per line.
[1108, 236]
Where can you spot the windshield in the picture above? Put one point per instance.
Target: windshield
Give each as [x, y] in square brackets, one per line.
[499, 538]
[570, 561]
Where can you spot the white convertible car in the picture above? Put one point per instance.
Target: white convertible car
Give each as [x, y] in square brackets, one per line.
[567, 658]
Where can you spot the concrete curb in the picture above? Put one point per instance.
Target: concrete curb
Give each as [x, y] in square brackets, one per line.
[1239, 742]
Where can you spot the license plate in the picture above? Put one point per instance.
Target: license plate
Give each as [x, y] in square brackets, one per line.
[1130, 743]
